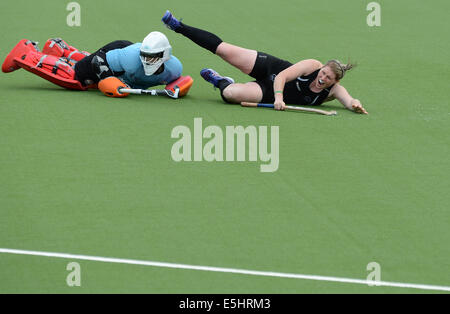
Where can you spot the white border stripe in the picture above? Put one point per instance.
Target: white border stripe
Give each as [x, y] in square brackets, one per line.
[223, 270]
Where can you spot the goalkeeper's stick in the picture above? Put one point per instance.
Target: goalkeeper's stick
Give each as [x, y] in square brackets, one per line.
[152, 92]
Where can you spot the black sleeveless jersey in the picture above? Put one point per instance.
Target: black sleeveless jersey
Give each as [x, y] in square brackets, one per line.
[297, 91]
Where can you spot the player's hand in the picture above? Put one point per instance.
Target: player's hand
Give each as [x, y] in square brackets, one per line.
[358, 108]
[279, 105]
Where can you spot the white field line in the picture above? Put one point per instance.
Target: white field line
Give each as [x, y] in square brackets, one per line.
[224, 270]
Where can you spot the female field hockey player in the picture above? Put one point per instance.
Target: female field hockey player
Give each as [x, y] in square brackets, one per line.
[307, 82]
[119, 64]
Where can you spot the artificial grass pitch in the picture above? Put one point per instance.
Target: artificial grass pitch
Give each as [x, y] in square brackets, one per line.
[85, 174]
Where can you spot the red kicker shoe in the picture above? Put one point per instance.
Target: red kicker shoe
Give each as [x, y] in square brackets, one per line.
[20, 50]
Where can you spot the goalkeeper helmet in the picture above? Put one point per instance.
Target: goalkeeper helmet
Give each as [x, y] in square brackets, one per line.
[155, 50]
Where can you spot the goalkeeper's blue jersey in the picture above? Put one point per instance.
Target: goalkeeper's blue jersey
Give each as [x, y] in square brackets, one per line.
[127, 64]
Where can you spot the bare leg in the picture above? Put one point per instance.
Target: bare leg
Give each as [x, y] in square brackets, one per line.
[237, 92]
[241, 58]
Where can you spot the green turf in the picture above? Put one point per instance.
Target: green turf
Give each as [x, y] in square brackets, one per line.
[85, 174]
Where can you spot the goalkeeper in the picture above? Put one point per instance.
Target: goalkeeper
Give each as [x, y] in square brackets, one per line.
[118, 64]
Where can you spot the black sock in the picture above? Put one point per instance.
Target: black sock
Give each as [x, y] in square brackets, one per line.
[223, 84]
[202, 38]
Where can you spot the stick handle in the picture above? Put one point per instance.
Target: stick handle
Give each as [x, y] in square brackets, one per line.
[131, 91]
[254, 104]
[296, 108]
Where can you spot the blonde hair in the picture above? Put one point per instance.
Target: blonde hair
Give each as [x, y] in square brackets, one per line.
[339, 68]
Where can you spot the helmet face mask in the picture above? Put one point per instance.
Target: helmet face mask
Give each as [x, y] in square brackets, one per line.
[155, 50]
[151, 58]
[151, 61]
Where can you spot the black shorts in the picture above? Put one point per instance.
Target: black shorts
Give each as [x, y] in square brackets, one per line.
[265, 69]
[84, 71]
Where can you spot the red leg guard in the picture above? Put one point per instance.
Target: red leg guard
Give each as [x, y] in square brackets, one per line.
[22, 48]
[184, 83]
[51, 68]
[58, 47]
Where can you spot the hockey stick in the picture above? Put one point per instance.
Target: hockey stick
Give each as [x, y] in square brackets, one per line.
[153, 92]
[253, 104]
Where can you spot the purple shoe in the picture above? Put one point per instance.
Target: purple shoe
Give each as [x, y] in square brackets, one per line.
[213, 77]
[170, 21]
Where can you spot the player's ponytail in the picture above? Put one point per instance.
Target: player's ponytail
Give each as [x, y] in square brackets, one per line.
[339, 68]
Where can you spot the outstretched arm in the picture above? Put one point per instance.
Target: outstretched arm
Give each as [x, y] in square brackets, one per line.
[301, 68]
[341, 94]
